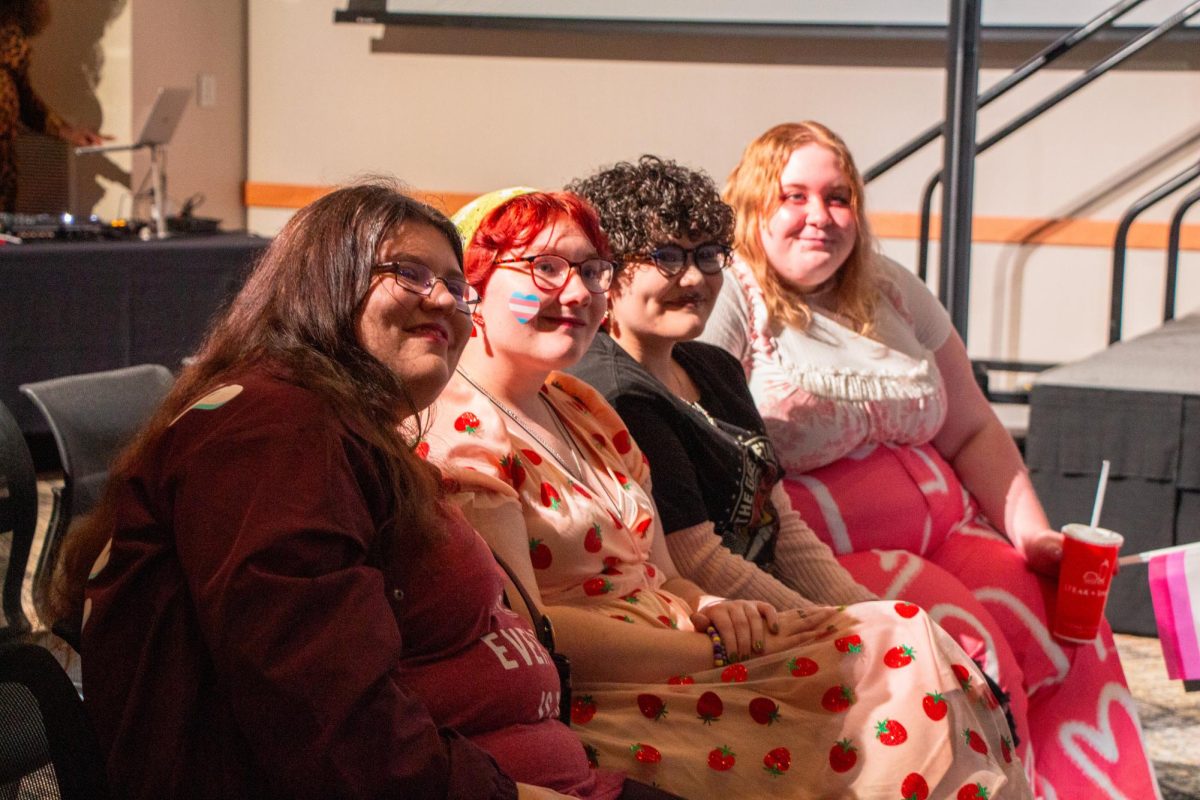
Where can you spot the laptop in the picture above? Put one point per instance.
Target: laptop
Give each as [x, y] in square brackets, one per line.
[160, 123]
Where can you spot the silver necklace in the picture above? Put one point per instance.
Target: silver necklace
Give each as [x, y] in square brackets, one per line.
[679, 385]
[676, 387]
[577, 472]
[570, 440]
[508, 412]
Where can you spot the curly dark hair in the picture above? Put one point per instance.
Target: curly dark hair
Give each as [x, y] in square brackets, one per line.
[643, 204]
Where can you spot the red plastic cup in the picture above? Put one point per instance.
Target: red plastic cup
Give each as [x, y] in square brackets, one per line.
[1088, 562]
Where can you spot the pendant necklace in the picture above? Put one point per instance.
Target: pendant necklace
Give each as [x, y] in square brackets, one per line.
[678, 390]
[577, 471]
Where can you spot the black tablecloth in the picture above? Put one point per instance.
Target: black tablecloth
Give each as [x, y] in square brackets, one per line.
[69, 308]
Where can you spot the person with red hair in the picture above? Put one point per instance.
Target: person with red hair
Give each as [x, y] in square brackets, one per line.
[674, 685]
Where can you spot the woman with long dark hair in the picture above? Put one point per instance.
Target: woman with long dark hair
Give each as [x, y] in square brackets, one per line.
[21, 20]
[280, 603]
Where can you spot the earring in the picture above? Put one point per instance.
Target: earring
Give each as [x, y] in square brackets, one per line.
[477, 323]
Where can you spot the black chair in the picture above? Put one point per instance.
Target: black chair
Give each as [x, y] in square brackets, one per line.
[18, 518]
[48, 748]
[92, 416]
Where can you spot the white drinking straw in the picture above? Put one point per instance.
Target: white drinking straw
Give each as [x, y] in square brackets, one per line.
[1099, 504]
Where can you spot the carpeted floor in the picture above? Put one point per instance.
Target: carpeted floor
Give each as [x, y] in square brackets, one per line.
[1170, 716]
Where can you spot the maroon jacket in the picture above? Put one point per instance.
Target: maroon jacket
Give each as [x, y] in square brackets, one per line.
[241, 640]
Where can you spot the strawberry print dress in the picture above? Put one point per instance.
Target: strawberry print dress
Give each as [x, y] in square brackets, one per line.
[877, 702]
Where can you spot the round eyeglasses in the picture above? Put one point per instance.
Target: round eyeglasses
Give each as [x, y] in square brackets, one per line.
[671, 259]
[419, 279]
[551, 272]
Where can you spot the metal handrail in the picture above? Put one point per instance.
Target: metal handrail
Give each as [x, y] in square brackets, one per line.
[1160, 192]
[1098, 69]
[958, 163]
[1048, 55]
[1173, 252]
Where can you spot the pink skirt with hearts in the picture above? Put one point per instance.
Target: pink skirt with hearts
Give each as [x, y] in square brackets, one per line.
[900, 521]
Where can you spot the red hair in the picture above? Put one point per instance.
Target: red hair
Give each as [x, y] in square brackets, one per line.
[517, 222]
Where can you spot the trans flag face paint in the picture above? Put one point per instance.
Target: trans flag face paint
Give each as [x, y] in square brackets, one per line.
[523, 306]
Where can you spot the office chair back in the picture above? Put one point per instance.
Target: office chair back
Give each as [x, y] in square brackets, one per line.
[48, 748]
[18, 521]
[92, 416]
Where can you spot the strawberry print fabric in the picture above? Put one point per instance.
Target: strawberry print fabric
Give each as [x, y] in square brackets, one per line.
[877, 699]
[870, 703]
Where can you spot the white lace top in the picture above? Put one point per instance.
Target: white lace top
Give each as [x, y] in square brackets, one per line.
[827, 391]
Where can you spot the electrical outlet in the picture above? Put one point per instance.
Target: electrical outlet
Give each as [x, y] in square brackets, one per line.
[206, 90]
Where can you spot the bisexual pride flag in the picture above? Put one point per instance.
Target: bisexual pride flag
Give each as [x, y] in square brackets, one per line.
[1175, 589]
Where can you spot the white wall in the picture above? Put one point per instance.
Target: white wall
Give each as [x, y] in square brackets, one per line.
[175, 43]
[469, 110]
[101, 62]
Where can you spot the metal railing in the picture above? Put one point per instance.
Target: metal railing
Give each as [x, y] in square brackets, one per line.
[1098, 69]
[954, 275]
[1121, 243]
[1173, 252]
[958, 161]
[1051, 53]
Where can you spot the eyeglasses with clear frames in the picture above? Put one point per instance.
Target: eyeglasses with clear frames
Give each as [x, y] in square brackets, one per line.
[419, 279]
[550, 272]
[671, 259]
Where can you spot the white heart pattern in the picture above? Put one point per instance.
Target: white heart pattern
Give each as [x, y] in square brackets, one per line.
[1101, 739]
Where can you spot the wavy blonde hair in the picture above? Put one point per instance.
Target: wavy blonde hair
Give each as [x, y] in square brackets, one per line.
[753, 190]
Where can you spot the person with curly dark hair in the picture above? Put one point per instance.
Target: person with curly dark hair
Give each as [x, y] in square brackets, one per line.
[729, 525]
[21, 20]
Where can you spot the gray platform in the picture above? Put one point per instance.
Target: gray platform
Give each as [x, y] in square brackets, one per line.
[1136, 404]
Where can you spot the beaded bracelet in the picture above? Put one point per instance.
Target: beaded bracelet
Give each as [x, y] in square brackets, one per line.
[720, 659]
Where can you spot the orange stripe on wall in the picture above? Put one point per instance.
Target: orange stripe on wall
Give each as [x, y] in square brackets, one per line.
[985, 230]
[288, 195]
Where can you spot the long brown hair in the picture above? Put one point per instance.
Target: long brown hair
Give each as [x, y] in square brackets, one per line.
[296, 315]
[754, 192]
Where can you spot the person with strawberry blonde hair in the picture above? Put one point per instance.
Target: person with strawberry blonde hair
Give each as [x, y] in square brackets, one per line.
[674, 684]
[895, 458]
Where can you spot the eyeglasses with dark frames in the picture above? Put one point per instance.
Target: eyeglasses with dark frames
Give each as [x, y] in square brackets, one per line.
[550, 272]
[419, 279]
[671, 259]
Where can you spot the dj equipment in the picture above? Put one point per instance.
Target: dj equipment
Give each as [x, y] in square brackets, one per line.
[65, 227]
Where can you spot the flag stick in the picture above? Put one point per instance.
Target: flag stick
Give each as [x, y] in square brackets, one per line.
[1137, 558]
